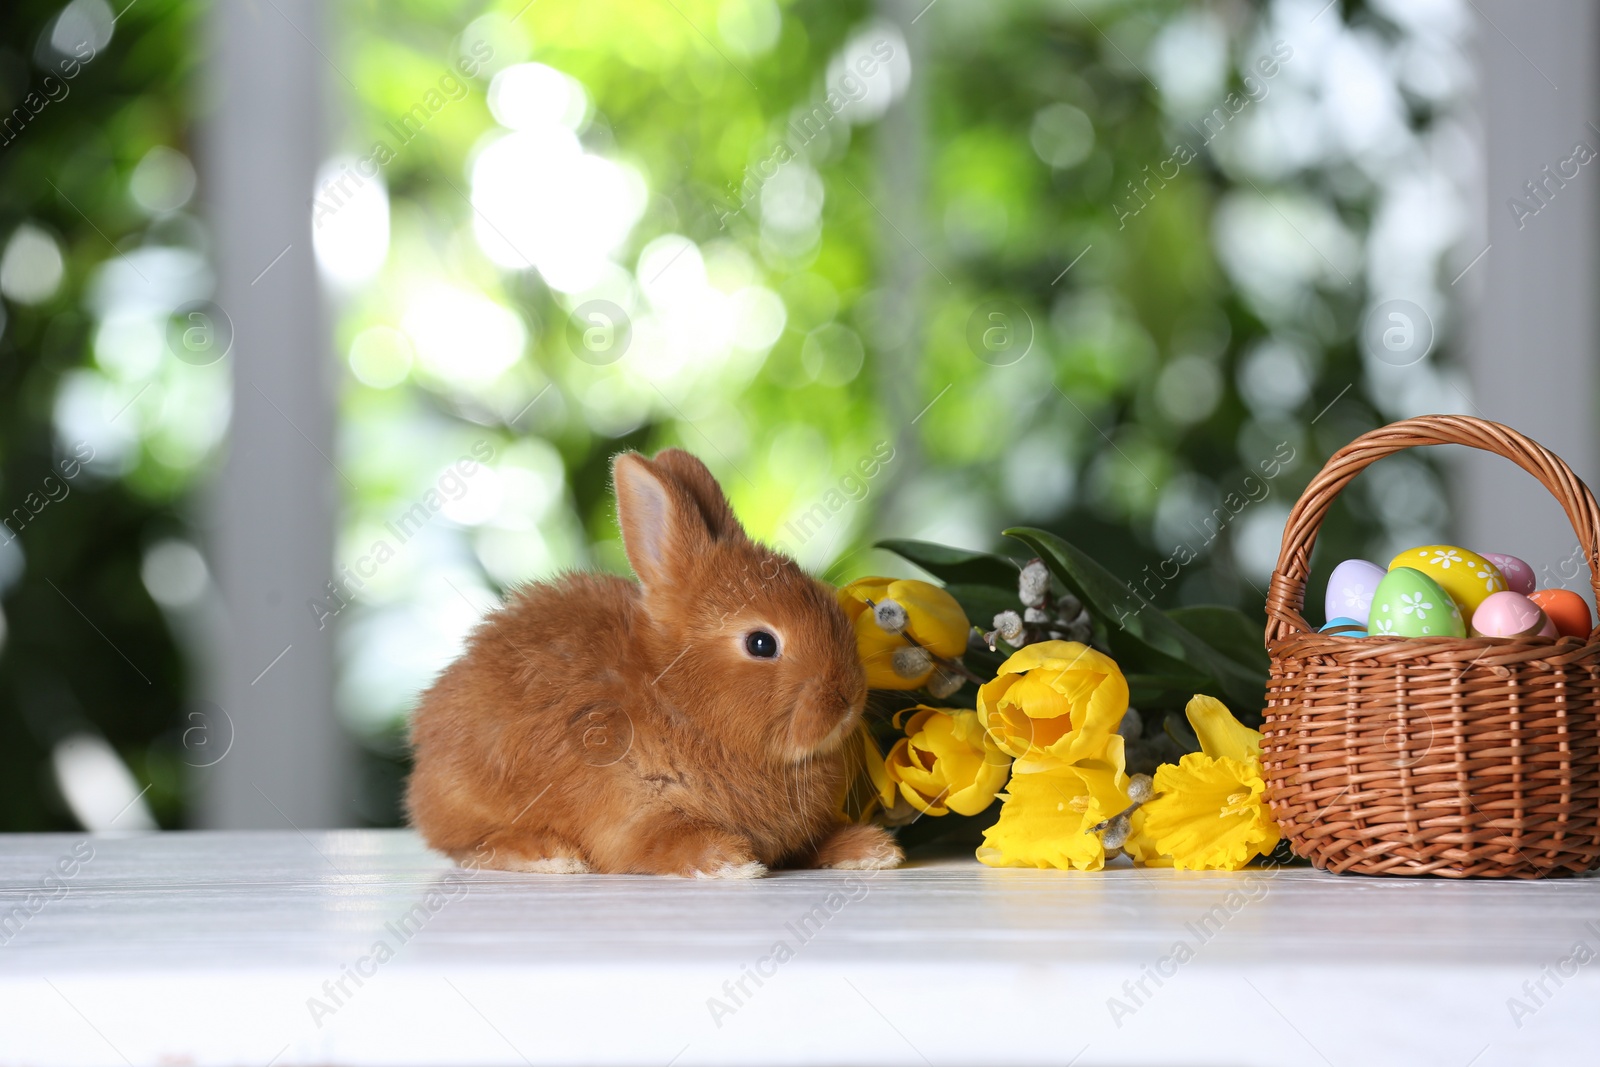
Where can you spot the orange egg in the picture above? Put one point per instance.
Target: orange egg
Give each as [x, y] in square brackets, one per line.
[1568, 610]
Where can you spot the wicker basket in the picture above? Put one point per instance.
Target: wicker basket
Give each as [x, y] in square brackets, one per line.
[1436, 755]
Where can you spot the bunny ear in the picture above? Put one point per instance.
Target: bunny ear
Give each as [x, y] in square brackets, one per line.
[693, 477]
[669, 509]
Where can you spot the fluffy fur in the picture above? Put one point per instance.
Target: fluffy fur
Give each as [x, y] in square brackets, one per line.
[598, 724]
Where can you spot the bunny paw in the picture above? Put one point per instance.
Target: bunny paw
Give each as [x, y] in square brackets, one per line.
[557, 865]
[859, 848]
[734, 870]
[883, 860]
[494, 859]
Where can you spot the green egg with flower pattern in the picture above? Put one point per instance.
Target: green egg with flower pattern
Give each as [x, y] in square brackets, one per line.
[1407, 603]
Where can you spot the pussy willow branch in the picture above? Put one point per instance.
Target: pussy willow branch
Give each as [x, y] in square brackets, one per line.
[949, 664]
[960, 668]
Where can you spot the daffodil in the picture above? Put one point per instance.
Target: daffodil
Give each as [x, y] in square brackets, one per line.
[901, 625]
[1220, 734]
[1046, 818]
[1209, 811]
[945, 762]
[1054, 703]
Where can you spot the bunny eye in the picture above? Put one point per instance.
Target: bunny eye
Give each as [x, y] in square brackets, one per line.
[761, 644]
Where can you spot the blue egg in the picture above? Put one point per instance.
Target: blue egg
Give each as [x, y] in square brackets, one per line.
[1344, 627]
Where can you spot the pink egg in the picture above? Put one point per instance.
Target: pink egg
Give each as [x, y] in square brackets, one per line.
[1519, 576]
[1507, 614]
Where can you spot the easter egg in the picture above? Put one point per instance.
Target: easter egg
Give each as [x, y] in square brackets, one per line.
[1568, 610]
[1408, 603]
[1466, 576]
[1344, 628]
[1518, 575]
[1510, 614]
[1350, 589]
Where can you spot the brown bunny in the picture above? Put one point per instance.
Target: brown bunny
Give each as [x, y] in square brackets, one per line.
[692, 723]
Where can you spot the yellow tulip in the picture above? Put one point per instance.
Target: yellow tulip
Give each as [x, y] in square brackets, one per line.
[933, 620]
[1209, 811]
[945, 763]
[867, 786]
[1045, 818]
[1054, 703]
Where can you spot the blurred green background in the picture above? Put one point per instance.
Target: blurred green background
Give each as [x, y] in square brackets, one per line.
[1081, 265]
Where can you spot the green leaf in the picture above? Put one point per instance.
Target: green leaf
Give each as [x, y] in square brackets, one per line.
[1228, 630]
[1137, 657]
[1121, 608]
[1152, 692]
[983, 602]
[1177, 728]
[958, 565]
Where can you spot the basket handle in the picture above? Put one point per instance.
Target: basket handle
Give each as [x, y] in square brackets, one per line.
[1286, 595]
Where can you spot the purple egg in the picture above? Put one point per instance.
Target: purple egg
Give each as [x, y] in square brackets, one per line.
[1350, 589]
[1519, 576]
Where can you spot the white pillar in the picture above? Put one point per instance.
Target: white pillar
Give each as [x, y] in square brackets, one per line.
[274, 505]
[1531, 348]
[898, 198]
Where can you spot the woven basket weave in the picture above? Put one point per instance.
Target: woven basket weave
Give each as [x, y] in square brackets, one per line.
[1458, 757]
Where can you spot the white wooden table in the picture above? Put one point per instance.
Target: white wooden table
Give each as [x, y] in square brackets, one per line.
[209, 948]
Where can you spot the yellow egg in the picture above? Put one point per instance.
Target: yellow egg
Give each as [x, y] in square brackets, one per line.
[1466, 576]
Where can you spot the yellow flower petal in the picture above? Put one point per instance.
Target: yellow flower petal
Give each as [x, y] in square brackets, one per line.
[945, 762]
[1208, 814]
[933, 620]
[872, 758]
[1061, 655]
[1050, 697]
[1221, 735]
[853, 597]
[1054, 702]
[1140, 846]
[867, 786]
[876, 647]
[1045, 819]
[1110, 751]
[933, 617]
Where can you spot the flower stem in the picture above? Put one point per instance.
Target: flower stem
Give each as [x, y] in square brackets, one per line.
[960, 668]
